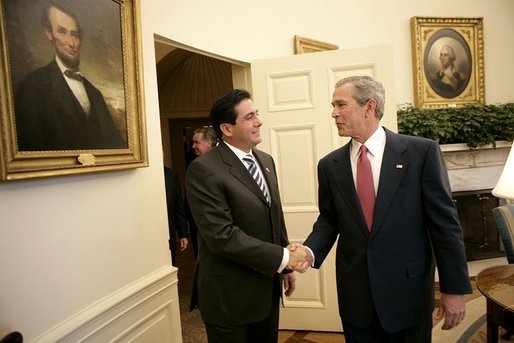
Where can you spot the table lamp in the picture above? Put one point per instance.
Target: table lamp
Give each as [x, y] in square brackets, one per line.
[505, 186]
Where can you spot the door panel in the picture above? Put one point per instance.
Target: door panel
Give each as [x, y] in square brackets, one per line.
[293, 95]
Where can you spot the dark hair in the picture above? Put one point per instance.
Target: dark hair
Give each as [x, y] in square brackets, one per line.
[223, 110]
[45, 18]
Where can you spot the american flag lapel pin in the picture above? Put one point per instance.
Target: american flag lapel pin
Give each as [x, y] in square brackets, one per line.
[268, 170]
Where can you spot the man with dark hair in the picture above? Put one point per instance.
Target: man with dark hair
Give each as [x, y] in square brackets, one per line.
[56, 107]
[242, 255]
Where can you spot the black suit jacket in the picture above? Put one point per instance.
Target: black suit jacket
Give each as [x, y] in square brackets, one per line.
[240, 237]
[391, 269]
[49, 117]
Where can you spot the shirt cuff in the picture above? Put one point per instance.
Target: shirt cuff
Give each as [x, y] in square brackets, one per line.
[285, 260]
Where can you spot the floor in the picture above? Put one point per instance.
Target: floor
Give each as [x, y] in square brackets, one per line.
[194, 332]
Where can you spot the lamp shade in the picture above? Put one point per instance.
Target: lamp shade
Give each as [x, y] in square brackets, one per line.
[505, 186]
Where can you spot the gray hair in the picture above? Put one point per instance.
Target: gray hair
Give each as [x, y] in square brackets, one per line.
[451, 53]
[366, 88]
[209, 134]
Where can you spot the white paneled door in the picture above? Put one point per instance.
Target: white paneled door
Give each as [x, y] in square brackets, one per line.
[293, 96]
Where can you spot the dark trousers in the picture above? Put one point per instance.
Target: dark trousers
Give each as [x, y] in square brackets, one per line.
[375, 333]
[265, 331]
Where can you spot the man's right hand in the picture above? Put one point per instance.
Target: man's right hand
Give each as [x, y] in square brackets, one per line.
[299, 258]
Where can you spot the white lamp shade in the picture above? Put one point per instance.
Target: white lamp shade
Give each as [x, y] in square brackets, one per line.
[505, 187]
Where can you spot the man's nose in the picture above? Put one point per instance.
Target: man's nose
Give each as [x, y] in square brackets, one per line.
[70, 39]
[335, 113]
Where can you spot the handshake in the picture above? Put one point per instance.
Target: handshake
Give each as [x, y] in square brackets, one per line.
[300, 258]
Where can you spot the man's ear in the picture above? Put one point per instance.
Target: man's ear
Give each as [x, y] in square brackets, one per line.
[371, 106]
[48, 34]
[226, 129]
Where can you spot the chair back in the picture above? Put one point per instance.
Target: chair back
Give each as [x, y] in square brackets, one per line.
[504, 217]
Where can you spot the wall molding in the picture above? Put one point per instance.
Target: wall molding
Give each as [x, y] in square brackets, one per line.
[146, 310]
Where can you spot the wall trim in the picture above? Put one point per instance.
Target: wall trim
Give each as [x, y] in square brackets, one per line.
[147, 308]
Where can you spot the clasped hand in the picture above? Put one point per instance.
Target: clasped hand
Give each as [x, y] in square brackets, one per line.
[300, 258]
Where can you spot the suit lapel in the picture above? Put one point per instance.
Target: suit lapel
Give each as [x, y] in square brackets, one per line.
[343, 176]
[238, 170]
[394, 166]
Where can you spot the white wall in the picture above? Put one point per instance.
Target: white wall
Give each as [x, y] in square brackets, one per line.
[259, 29]
[68, 242]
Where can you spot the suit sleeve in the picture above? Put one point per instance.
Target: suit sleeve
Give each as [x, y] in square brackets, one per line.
[213, 216]
[179, 213]
[325, 229]
[444, 226]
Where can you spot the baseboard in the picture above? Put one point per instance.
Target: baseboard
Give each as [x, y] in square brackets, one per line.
[144, 311]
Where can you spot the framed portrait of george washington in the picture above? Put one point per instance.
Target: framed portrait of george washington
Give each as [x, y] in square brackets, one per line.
[70, 84]
[448, 61]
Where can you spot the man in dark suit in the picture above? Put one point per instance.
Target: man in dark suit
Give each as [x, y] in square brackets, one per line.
[242, 238]
[177, 222]
[56, 107]
[386, 247]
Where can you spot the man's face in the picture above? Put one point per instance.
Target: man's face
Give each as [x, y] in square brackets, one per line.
[445, 58]
[349, 116]
[246, 133]
[200, 144]
[65, 37]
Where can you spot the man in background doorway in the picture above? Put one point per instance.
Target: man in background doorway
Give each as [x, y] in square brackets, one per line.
[204, 139]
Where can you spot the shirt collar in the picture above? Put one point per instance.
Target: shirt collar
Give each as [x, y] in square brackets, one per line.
[374, 144]
[239, 153]
[61, 65]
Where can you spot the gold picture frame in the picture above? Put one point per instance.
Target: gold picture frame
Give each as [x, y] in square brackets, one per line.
[47, 127]
[448, 61]
[304, 45]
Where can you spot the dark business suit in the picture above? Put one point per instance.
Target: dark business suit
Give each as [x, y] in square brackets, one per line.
[177, 223]
[49, 117]
[390, 271]
[240, 237]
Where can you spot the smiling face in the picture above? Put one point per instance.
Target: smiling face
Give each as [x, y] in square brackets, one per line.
[245, 134]
[352, 120]
[64, 34]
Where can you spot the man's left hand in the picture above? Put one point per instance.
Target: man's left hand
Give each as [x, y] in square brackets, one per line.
[453, 308]
[289, 284]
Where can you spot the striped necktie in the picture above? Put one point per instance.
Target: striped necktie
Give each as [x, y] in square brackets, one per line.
[252, 169]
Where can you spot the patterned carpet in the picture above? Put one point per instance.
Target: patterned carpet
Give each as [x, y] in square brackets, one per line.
[472, 330]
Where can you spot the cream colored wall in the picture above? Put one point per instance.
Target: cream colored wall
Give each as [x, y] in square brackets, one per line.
[68, 242]
[260, 29]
